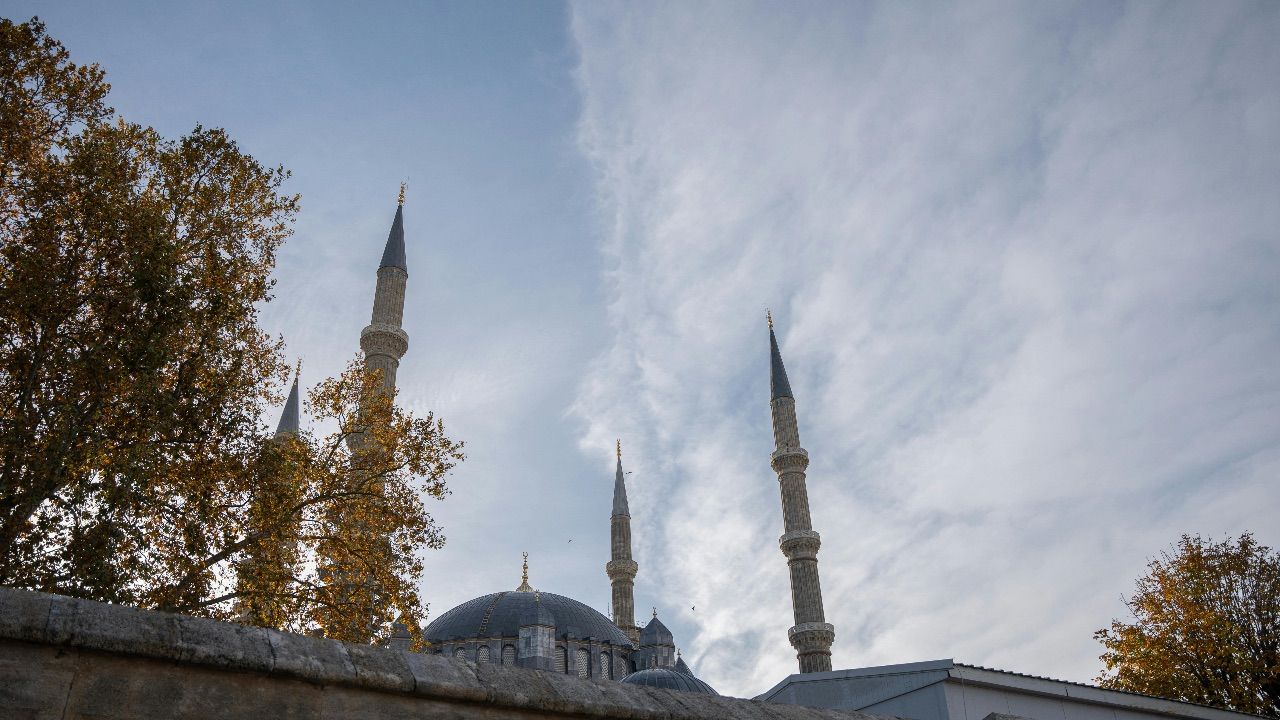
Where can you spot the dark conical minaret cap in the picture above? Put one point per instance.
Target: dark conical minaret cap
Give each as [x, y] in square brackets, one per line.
[289, 419]
[779, 386]
[393, 255]
[620, 488]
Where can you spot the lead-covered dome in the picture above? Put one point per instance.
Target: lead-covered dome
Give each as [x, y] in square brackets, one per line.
[670, 680]
[501, 614]
[655, 633]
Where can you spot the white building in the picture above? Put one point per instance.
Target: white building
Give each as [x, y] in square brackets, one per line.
[948, 690]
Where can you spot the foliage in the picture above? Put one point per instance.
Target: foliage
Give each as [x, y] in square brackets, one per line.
[1207, 628]
[353, 502]
[133, 375]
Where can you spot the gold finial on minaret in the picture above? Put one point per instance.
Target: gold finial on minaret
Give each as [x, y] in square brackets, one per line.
[655, 613]
[297, 369]
[619, 447]
[768, 316]
[401, 200]
[524, 576]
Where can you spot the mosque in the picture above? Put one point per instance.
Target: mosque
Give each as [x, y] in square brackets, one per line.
[553, 633]
[544, 631]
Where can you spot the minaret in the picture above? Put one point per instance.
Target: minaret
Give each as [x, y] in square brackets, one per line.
[383, 341]
[812, 635]
[621, 568]
[289, 418]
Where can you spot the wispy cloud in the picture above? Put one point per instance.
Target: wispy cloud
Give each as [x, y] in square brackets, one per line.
[1026, 264]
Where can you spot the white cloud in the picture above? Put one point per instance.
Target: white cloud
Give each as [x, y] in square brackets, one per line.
[1026, 269]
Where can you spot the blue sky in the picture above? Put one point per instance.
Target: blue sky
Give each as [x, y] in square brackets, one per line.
[1024, 257]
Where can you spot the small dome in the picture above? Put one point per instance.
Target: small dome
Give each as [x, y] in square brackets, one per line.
[655, 633]
[501, 614]
[670, 680]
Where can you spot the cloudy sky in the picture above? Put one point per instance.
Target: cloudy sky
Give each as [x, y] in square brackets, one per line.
[1024, 260]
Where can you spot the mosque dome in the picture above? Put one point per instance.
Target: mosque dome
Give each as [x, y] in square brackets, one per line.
[538, 614]
[502, 614]
[669, 679]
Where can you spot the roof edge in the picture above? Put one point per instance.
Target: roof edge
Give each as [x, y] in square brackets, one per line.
[873, 671]
[1082, 692]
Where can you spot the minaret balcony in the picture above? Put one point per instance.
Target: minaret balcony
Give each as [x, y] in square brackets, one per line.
[621, 569]
[789, 460]
[812, 637]
[380, 339]
[800, 544]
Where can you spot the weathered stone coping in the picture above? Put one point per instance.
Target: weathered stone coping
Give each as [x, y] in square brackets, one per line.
[58, 621]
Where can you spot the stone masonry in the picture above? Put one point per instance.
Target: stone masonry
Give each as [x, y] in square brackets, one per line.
[66, 658]
[812, 635]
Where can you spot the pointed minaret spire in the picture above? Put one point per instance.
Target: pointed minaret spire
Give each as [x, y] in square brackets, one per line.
[812, 635]
[384, 342]
[779, 386]
[620, 489]
[621, 568]
[393, 253]
[289, 419]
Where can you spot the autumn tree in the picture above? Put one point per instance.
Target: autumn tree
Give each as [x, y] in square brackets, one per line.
[330, 533]
[1206, 629]
[134, 465]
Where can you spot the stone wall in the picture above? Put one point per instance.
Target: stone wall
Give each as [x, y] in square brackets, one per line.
[67, 658]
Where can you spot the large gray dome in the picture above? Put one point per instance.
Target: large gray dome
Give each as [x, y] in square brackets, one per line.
[500, 615]
[669, 679]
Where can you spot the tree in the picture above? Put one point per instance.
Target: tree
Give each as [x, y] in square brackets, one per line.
[134, 465]
[1207, 628]
[356, 515]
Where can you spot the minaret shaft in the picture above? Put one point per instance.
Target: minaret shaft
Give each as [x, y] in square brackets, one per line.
[383, 341]
[388, 299]
[812, 635]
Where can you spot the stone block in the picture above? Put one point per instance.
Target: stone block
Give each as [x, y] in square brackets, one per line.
[446, 677]
[308, 658]
[113, 628]
[512, 686]
[24, 615]
[224, 645]
[569, 693]
[34, 681]
[381, 669]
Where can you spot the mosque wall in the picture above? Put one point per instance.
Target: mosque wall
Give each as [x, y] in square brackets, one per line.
[603, 660]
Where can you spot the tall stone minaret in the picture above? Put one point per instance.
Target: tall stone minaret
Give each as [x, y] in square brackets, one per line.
[621, 568]
[812, 635]
[383, 341]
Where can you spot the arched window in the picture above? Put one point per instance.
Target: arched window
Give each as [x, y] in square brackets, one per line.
[482, 655]
[460, 652]
[584, 662]
[620, 667]
[562, 660]
[508, 654]
[605, 665]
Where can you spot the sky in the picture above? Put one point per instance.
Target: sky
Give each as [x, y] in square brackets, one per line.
[1024, 261]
